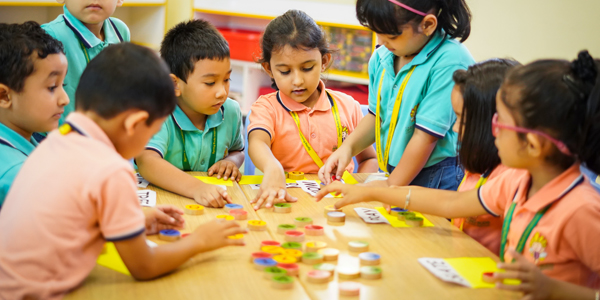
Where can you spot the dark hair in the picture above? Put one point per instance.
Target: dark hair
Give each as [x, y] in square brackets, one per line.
[563, 100]
[478, 86]
[126, 76]
[296, 29]
[385, 17]
[17, 44]
[189, 42]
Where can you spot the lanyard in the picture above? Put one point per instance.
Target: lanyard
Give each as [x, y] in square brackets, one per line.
[482, 180]
[213, 154]
[306, 144]
[382, 158]
[85, 53]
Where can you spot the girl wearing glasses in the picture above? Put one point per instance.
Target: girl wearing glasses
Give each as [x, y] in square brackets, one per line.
[547, 124]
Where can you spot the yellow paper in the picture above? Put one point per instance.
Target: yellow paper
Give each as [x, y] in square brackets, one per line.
[257, 179]
[397, 223]
[348, 179]
[111, 259]
[215, 181]
[472, 269]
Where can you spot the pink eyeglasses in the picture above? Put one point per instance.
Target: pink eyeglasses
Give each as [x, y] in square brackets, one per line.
[496, 128]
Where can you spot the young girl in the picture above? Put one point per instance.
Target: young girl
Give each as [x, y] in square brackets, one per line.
[546, 126]
[474, 103]
[300, 125]
[411, 116]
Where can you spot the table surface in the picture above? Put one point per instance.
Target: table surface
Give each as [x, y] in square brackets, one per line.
[227, 273]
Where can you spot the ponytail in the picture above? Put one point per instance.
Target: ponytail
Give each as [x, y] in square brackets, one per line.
[455, 18]
[588, 149]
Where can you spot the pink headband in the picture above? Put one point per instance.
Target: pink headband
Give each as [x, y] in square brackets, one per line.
[408, 8]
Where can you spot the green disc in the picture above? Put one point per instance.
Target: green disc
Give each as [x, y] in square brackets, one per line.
[291, 245]
[275, 271]
[283, 205]
[287, 226]
[370, 270]
[303, 219]
[406, 213]
[413, 218]
[312, 255]
[283, 279]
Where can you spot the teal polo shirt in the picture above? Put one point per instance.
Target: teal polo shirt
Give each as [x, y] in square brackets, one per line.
[14, 150]
[198, 143]
[75, 37]
[426, 103]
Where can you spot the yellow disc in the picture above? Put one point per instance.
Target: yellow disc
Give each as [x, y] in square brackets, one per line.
[317, 244]
[226, 217]
[292, 252]
[257, 223]
[285, 259]
[194, 207]
[272, 249]
[296, 175]
[236, 237]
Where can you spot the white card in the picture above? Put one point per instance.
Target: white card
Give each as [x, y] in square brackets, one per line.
[141, 182]
[287, 185]
[147, 197]
[442, 270]
[370, 215]
[310, 186]
[376, 176]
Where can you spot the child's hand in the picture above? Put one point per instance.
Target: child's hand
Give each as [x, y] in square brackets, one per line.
[271, 194]
[211, 196]
[213, 235]
[163, 217]
[352, 194]
[225, 169]
[335, 165]
[534, 284]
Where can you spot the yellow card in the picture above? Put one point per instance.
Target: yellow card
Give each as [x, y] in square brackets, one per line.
[397, 223]
[348, 178]
[111, 259]
[472, 269]
[257, 179]
[215, 181]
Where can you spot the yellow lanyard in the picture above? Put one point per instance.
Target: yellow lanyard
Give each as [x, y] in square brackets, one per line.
[85, 53]
[338, 124]
[382, 158]
[482, 180]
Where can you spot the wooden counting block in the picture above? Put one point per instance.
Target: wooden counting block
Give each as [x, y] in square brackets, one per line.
[336, 217]
[488, 277]
[294, 236]
[414, 221]
[274, 250]
[291, 269]
[263, 263]
[257, 225]
[282, 208]
[233, 206]
[370, 272]
[271, 272]
[169, 235]
[282, 282]
[236, 237]
[404, 214]
[285, 259]
[270, 243]
[226, 217]
[314, 230]
[315, 246]
[283, 228]
[194, 209]
[396, 210]
[312, 258]
[261, 254]
[329, 254]
[326, 267]
[296, 175]
[358, 246]
[347, 272]
[331, 208]
[292, 245]
[239, 214]
[293, 253]
[349, 288]
[303, 221]
[369, 259]
[318, 276]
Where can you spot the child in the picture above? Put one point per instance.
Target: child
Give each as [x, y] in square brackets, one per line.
[409, 92]
[293, 129]
[85, 29]
[84, 188]
[205, 131]
[474, 103]
[32, 98]
[546, 125]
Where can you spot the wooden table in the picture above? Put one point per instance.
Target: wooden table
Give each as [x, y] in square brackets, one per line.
[227, 274]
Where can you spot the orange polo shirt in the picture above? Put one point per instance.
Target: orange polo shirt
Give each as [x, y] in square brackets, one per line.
[565, 244]
[486, 229]
[271, 113]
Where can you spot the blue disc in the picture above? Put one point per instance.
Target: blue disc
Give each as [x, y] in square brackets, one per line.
[233, 206]
[369, 256]
[170, 232]
[398, 209]
[269, 262]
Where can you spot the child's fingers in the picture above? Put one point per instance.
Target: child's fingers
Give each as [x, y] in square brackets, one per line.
[511, 275]
[222, 168]
[228, 171]
[345, 201]
[261, 199]
[513, 266]
[321, 174]
[234, 230]
[235, 242]
[212, 168]
[387, 207]
[270, 199]
[170, 209]
[289, 198]
[237, 174]
[525, 287]
[224, 195]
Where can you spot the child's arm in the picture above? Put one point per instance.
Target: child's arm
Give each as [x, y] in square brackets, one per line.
[229, 166]
[362, 137]
[163, 174]
[272, 188]
[447, 204]
[536, 285]
[144, 262]
[163, 217]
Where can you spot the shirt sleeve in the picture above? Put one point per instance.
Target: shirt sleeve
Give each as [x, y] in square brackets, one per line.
[496, 194]
[119, 212]
[238, 140]
[581, 233]
[160, 141]
[435, 115]
[262, 117]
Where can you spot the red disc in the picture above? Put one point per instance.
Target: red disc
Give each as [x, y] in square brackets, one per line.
[270, 243]
[313, 227]
[294, 233]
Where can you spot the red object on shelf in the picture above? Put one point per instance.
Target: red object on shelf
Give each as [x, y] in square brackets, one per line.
[359, 92]
[243, 44]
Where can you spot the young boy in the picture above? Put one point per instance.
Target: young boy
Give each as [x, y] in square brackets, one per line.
[205, 132]
[77, 190]
[85, 29]
[32, 70]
